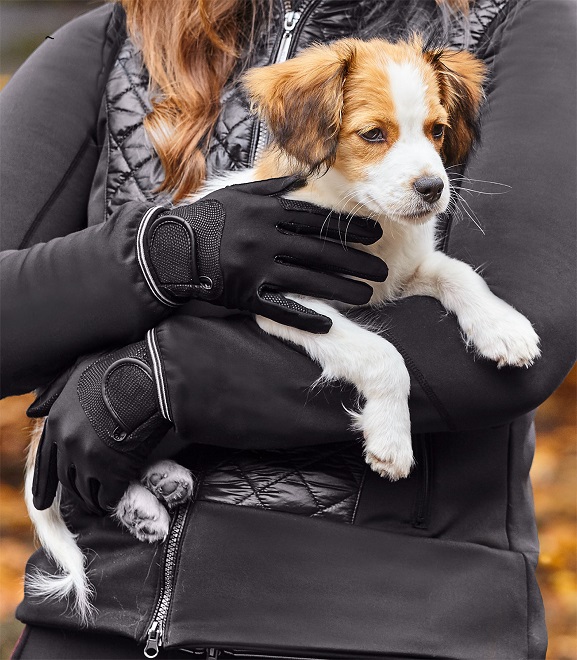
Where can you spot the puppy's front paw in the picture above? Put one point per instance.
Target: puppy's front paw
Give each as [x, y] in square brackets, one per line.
[393, 468]
[143, 514]
[506, 337]
[387, 432]
[169, 482]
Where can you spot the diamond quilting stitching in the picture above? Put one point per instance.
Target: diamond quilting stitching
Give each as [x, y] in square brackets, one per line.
[136, 87]
[253, 488]
[309, 490]
[309, 481]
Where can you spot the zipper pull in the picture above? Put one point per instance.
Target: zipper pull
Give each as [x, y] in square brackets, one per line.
[153, 641]
[212, 654]
[291, 19]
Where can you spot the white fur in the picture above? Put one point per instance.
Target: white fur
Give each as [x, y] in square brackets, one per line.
[60, 545]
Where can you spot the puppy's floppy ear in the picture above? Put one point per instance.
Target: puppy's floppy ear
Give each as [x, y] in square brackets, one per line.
[301, 101]
[460, 76]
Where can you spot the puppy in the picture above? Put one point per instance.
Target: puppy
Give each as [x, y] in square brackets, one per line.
[373, 125]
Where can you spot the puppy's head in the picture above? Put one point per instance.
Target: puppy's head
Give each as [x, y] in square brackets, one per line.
[386, 117]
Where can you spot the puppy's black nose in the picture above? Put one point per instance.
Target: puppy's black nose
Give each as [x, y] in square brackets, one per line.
[429, 187]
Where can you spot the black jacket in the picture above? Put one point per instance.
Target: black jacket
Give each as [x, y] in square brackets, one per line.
[319, 556]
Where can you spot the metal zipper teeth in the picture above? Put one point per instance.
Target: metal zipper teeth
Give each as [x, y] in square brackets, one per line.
[155, 632]
[292, 21]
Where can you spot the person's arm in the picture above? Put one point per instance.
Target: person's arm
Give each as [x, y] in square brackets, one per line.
[527, 253]
[83, 289]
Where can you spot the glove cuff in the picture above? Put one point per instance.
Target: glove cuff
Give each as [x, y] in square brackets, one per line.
[118, 395]
[178, 251]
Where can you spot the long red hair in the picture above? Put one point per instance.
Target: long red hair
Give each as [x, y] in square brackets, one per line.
[191, 48]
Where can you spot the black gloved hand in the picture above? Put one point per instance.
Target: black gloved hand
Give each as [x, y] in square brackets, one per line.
[103, 421]
[242, 246]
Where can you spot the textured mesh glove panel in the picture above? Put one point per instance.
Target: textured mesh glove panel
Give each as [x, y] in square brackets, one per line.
[288, 303]
[172, 253]
[178, 274]
[128, 390]
[131, 395]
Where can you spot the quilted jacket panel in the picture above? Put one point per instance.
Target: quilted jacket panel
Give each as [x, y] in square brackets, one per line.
[323, 481]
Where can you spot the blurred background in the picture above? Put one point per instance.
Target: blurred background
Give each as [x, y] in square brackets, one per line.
[24, 24]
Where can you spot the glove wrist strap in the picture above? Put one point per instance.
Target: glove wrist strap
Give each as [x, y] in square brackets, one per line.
[178, 252]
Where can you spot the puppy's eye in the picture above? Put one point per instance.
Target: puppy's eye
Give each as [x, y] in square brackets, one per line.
[374, 135]
[438, 131]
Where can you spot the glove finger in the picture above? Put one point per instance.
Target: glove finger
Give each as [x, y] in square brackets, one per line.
[289, 312]
[45, 480]
[328, 257]
[322, 222]
[277, 186]
[321, 285]
[86, 489]
[106, 499]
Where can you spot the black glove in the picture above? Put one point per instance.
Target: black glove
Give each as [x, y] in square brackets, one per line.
[103, 421]
[241, 246]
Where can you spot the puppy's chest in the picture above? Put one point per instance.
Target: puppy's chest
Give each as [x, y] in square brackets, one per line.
[403, 252]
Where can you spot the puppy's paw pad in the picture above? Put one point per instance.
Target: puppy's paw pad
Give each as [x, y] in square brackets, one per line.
[169, 482]
[143, 515]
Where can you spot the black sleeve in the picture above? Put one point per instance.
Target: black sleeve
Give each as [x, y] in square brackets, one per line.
[66, 289]
[527, 253]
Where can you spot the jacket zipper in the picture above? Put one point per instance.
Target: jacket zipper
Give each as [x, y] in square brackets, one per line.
[292, 18]
[155, 632]
[424, 457]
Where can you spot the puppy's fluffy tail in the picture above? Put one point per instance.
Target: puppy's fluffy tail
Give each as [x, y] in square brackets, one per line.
[60, 545]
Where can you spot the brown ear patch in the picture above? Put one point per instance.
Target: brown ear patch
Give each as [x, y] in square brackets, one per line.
[460, 76]
[301, 101]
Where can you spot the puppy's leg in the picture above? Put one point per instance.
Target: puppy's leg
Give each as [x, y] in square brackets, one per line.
[497, 330]
[352, 353]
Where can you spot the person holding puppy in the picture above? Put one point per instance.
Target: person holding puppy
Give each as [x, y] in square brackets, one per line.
[291, 546]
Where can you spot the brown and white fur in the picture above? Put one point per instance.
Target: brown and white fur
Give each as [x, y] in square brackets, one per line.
[368, 121]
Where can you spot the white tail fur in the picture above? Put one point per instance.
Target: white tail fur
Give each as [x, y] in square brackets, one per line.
[59, 543]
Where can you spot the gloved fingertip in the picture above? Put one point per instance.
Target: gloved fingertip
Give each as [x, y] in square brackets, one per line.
[314, 323]
[294, 182]
[103, 502]
[373, 234]
[363, 294]
[45, 478]
[43, 500]
[381, 273]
